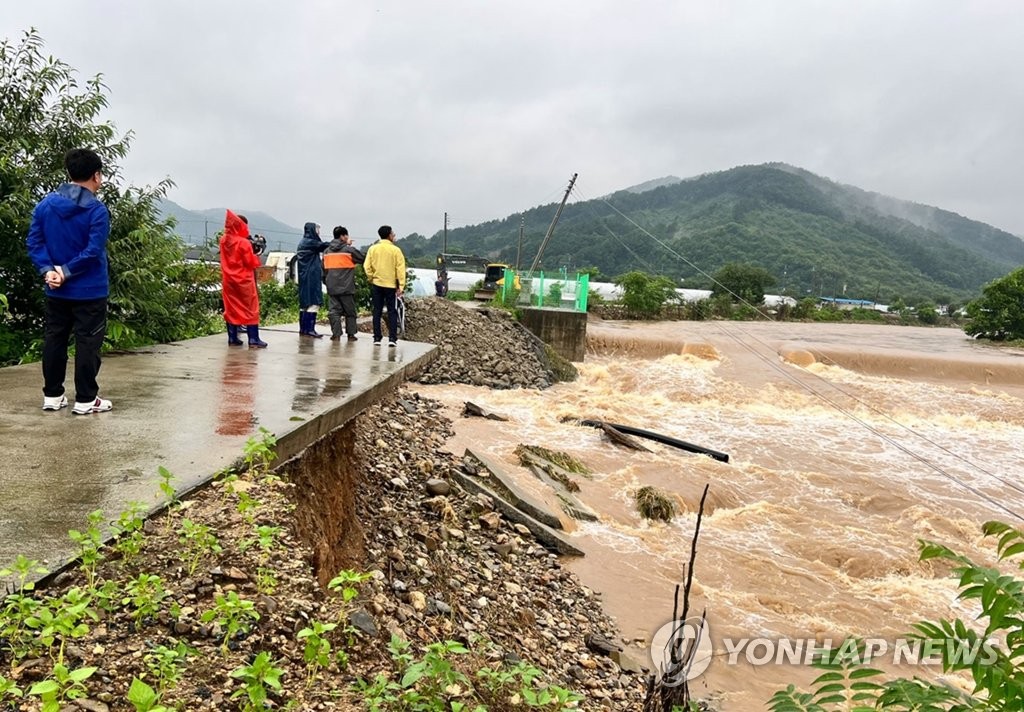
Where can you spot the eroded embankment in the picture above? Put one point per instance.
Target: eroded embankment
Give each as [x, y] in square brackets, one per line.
[378, 496]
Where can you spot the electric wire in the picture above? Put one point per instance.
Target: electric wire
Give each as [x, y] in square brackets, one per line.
[788, 375]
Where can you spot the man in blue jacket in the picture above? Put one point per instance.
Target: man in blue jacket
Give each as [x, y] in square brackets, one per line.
[67, 242]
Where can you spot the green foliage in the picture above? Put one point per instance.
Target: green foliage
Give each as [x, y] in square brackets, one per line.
[259, 452]
[144, 698]
[231, 613]
[644, 295]
[58, 620]
[45, 111]
[89, 543]
[256, 678]
[345, 583]
[927, 313]
[146, 594]
[64, 686]
[9, 691]
[199, 542]
[317, 650]
[743, 282]
[128, 530]
[166, 487]
[999, 313]
[436, 683]
[279, 303]
[167, 664]
[997, 670]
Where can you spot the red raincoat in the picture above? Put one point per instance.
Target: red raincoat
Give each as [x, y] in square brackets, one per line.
[238, 281]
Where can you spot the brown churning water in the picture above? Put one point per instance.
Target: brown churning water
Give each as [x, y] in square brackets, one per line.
[846, 445]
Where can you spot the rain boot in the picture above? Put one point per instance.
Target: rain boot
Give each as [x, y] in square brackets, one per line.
[304, 323]
[233, 339]
[312, 326]
[254, 337]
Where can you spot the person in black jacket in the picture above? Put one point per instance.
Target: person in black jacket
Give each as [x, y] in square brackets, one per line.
[340, 260]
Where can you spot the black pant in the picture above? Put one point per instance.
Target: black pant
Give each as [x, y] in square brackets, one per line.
[342, 305]
[87, 320]
[384, 296]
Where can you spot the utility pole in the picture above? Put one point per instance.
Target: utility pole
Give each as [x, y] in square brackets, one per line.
[519, 250]
[551, 228]
[444, 245]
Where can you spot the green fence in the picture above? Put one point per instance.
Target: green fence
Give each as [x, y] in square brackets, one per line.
[551, 292]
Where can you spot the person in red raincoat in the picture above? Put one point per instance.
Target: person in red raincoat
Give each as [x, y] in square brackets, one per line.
[238, 282]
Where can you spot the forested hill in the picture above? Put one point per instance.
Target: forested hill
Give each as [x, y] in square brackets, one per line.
[816, 236]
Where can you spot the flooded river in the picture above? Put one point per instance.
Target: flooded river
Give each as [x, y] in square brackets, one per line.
[848, 443]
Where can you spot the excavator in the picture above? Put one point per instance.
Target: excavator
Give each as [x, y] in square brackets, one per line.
[494, 273]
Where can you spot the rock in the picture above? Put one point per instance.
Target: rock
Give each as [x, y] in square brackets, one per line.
[491, 520]
[437, 487]
[627, 663]
[418, 601]
[92, 706]
[600, 645]
[363, 622]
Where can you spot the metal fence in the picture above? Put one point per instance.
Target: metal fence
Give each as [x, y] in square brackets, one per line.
[551, 292]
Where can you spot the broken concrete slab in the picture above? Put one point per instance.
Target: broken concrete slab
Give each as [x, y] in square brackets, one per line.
[570, 505]
[505, 485]
[545, 535]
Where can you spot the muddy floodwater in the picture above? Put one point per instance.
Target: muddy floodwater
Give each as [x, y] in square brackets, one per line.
[848, 444]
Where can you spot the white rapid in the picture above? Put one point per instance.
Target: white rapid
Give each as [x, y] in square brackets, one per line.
[848, 443]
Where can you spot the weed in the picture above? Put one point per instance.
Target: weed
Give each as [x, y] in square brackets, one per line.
[128, 530]
[89, 543]
[61, 619]
[24, 568]
[9, 691]
[231, 613]
[146, 593]
[256, 678]
[65, 685]
[317, 652]
[259, 452]
[266, 580]
[144, 698]
[246, 505]
[166, 664]
[169, 490]
[199, 542]
[345, 583]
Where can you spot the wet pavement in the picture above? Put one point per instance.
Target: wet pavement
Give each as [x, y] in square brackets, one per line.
[188, 406]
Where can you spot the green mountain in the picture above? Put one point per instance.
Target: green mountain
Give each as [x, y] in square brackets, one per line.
[815, 236]
[197, 226]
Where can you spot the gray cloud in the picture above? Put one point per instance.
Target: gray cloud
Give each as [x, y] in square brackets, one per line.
[398, 111]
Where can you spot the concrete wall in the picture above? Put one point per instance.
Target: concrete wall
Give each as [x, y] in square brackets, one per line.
[563, 329]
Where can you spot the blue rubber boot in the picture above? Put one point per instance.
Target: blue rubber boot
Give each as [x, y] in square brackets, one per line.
[254, 337]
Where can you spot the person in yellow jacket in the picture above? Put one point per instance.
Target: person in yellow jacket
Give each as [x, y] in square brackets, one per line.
[385, 270]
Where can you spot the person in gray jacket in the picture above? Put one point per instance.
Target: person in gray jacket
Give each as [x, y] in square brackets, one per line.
[340, 260]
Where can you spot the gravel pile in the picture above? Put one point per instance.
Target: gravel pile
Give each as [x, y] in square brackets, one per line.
[479, 347]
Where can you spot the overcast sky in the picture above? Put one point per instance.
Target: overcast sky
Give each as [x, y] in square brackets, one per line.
[395, 111]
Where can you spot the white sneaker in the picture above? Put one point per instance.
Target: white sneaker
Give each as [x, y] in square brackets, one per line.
[97, 406]
[55, 403]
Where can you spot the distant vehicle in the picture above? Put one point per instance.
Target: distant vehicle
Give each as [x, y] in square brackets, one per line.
[493, 273]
